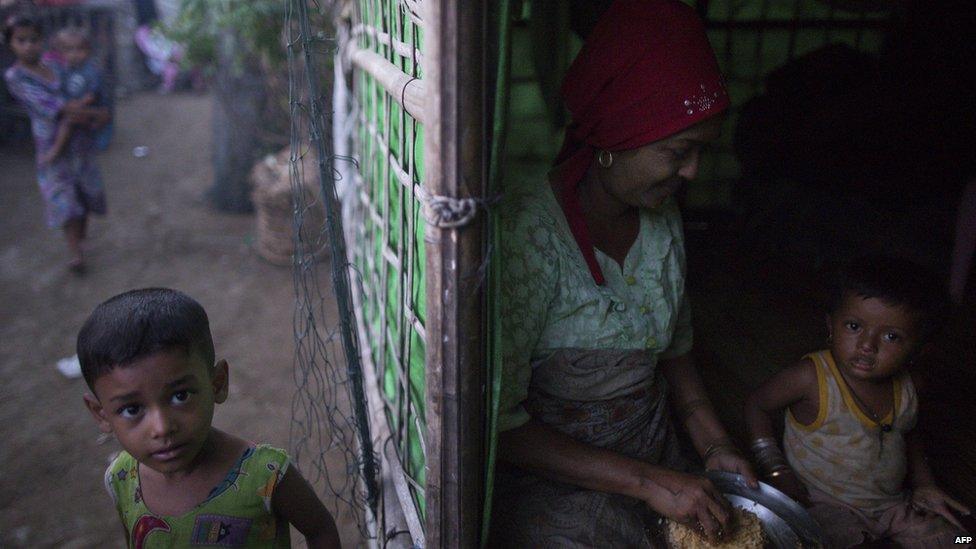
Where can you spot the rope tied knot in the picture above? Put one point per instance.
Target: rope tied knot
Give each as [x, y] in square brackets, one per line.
[447, 212]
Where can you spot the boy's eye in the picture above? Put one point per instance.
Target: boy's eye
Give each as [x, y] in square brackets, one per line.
[891, 337]
[129, 411]
[853, 326]
[179, 397]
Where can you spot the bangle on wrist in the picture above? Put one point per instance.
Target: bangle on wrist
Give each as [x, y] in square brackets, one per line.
[718, 447]
[781, 470]
[770, 452]
[766, 449]
[769, 460]
[762, 442]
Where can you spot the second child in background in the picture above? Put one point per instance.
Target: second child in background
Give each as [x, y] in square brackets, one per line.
[82, 82]
[70, 184]
[851, 411]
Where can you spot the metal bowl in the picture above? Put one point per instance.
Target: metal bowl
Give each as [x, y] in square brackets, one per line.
[787, 524]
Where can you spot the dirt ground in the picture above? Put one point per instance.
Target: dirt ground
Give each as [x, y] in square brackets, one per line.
[159, 232]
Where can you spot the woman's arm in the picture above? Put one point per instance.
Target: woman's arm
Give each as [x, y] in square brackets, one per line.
[685, 498]
[696, 413]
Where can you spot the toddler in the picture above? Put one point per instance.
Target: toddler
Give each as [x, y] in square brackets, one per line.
[148, 358]
[850, 439]
[81, 81]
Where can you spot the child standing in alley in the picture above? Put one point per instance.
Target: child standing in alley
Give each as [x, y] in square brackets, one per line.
[70, 184]
[148, 358]
[851, 409]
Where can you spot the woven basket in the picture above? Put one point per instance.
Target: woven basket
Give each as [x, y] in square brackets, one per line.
[273, 204]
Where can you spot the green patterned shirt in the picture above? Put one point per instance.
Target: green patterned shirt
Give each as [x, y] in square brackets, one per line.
[550, 302]
[236, 514]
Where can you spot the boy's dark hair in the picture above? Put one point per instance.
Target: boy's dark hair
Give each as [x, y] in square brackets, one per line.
[20, 20]
[140, 323]
[897, 282]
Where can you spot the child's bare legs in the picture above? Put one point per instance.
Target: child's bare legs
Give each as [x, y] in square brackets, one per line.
[171, 71]
[843, 527]
[911, 529]
[60, 141]
[74, 233]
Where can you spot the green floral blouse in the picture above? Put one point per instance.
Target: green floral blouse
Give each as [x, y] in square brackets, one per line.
[550, 302]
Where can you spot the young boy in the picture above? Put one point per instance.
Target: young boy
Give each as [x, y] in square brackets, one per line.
[851, 410]
[148, 358]
[82, 82]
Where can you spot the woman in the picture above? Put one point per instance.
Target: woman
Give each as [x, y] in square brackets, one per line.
[596, 325]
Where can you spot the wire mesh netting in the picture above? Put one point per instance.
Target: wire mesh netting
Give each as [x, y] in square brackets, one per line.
[330, 429]
[372, 61]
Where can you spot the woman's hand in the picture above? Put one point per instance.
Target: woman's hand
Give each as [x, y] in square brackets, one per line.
[731, 461]
[691, 500]
[791, 485]
[930, 499]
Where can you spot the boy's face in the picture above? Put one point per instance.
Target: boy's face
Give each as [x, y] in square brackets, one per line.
[872, 340]
[160, 407]
[75, 50]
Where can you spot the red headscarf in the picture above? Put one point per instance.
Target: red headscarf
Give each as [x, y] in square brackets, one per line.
[645, 72]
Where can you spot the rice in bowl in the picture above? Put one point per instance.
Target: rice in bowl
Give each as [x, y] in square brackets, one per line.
[746, 533]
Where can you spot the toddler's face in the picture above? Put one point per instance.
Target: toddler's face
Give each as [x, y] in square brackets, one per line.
[872, 340]
[160, 408]
[75, 50]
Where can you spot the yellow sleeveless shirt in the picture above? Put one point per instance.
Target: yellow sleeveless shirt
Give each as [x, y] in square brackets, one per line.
[841, 453]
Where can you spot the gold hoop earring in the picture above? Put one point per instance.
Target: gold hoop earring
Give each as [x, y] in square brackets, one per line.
[605, 158]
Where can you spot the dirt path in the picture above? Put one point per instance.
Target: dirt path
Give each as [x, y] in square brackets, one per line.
[159, 232]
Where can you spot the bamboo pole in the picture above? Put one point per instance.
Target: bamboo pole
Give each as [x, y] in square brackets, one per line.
[400, 47]
[455, 166]
[406, 90]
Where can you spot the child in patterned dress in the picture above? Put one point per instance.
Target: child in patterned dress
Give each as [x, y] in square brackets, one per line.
[148, 358]
[850, 439]
[70, 184]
